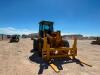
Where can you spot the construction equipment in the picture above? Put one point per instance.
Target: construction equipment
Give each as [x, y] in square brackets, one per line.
[50, 44]
[97, 41]
[14, 38]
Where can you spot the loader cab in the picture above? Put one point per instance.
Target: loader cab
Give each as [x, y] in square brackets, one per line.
[45, 26]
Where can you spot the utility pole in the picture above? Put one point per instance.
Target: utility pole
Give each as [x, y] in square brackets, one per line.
[2, 36]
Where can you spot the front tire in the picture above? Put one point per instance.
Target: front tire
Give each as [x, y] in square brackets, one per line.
[35, 44]
[66, 43]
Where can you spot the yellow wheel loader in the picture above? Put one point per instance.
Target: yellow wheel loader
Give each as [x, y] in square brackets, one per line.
[50, 44]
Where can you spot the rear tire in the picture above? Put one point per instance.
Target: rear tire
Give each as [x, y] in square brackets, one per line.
[10, 41]
[17, 40]
[66, 43]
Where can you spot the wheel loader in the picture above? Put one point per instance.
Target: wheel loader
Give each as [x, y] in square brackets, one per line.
[14, 38]
[97, 42]
[50, 44]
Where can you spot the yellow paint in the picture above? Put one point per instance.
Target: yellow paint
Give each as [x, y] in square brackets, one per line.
[54, 67]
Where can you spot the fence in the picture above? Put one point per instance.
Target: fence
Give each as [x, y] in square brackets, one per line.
[3, 37]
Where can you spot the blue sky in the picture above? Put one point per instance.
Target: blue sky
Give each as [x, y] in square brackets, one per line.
[69, 16]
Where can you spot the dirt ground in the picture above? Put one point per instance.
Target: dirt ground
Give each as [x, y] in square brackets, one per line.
[14, 60]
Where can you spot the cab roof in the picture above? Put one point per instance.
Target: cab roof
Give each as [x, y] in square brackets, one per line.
[46, 22]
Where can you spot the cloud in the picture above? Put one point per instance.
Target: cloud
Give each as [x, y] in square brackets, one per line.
[68, 33]
[84, 34]
[11, 30]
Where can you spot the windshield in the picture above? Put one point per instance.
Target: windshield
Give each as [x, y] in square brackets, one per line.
[45, 27]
